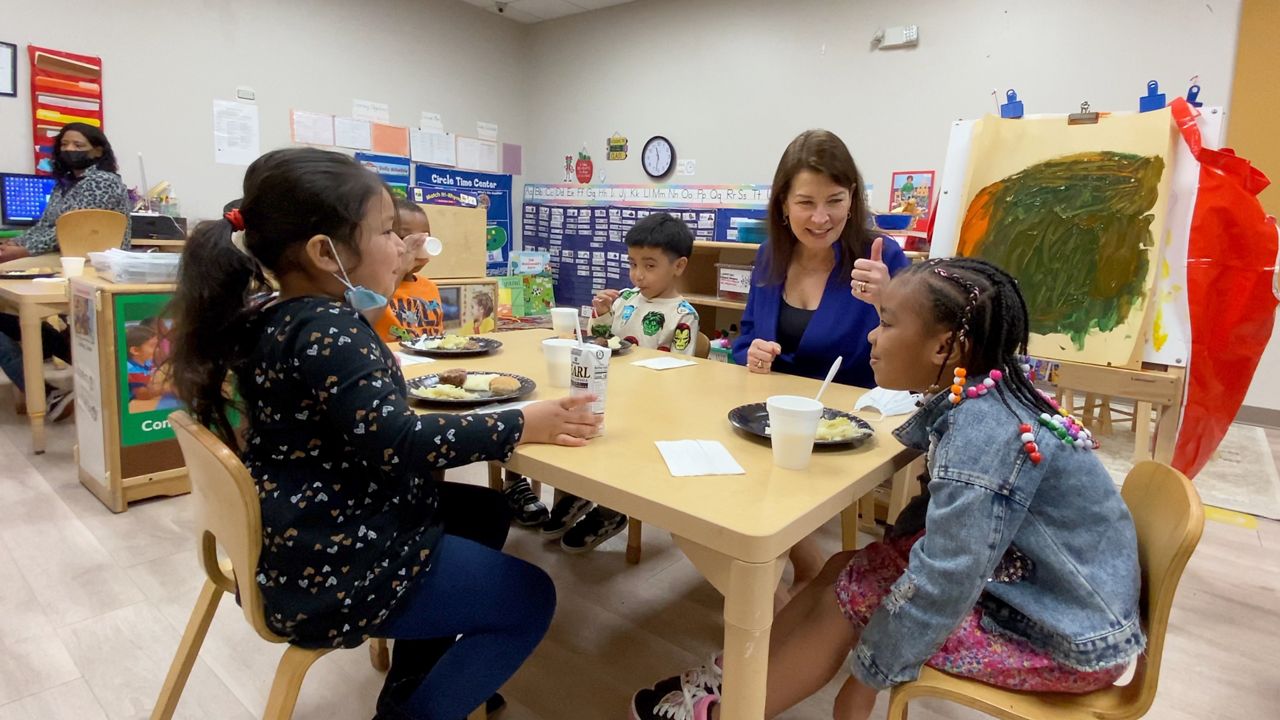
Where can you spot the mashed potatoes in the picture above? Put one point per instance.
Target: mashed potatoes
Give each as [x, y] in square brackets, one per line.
[838, 428]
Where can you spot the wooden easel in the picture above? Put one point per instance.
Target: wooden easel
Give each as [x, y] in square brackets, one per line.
[1154, 386]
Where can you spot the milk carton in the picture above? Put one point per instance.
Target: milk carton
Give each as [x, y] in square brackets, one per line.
[589, 375]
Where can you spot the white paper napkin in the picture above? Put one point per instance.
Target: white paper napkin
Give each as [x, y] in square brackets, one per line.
[664, 363]
[406, 359]
[687, 458]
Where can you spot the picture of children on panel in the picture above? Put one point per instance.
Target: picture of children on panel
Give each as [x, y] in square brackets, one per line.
[149, 388]
[482, 310]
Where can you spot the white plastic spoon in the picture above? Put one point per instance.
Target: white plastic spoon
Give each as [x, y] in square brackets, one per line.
[835, 367]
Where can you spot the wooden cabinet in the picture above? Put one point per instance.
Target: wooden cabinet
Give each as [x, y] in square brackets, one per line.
[700, 281]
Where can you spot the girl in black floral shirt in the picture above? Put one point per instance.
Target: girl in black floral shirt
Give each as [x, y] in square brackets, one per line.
[355, 538]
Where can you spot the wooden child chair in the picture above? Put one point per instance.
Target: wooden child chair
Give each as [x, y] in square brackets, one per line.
[1169, 519]
[227, 514]
[81, 232]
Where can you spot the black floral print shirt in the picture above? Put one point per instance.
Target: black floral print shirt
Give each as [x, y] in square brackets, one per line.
[343, 471]
[97, 190]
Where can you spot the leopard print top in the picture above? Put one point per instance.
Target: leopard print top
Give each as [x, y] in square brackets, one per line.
[97, 190]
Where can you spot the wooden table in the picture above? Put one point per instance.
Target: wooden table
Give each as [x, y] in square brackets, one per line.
[32, 302]
[735, 529]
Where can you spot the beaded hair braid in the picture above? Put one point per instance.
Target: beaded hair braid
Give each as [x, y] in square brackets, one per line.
[985, 307]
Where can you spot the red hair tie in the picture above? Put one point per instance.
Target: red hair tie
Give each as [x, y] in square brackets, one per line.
[235, 218]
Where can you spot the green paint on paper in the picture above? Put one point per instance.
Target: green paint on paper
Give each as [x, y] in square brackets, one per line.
[1076, 233]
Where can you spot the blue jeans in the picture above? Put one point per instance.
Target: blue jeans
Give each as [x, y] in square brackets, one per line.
[501, 607]
[55, 344]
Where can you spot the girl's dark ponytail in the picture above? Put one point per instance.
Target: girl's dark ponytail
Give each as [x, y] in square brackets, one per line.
[212, 320]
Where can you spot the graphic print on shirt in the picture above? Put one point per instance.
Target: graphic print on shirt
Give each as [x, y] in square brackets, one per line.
[653, 322]
[422, 317]
[682, 337]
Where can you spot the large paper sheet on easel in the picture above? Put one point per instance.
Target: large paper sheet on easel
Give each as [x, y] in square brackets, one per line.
[1166, 332]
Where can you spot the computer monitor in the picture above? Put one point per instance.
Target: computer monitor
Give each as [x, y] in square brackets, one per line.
[23, 197]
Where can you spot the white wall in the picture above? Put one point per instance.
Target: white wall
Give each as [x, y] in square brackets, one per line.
[731, 82]
[165, 62]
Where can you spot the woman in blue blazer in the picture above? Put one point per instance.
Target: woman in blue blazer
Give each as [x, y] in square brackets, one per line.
[800, 313]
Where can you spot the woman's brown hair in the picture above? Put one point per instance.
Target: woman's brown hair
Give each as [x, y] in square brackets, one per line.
[821, 151]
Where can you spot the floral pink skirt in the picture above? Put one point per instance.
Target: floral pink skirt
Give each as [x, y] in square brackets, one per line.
[970, 651]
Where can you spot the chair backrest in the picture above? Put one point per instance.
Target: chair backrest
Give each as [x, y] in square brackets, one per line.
[1169, 520]
[702, 348]
[227, 514]
[81, 232]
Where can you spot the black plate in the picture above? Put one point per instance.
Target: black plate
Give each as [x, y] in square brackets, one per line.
[484, 347]
[481, 398]
[27, 274]
[754, 418]
[627, 346]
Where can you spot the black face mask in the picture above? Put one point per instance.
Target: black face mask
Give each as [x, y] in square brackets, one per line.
[77, 159]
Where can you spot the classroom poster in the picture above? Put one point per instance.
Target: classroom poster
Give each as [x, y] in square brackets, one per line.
[142, 346]
[89, 420]
[492, 191]
[393, 170]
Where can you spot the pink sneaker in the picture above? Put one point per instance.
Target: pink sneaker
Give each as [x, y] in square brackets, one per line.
[687, 696]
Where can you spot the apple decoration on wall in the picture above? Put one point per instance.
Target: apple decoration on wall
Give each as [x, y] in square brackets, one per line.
[583, 169]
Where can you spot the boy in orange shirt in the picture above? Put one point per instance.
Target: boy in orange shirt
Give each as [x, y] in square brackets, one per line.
[415, 308]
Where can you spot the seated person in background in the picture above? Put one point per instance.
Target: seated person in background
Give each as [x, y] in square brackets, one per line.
[652, 315]
[85, 167]
[415, 308]
[60, 403]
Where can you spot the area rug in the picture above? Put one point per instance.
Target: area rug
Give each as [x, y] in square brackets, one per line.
[1241, 476]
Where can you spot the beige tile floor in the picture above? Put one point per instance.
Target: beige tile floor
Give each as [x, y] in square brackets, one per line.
[92, 606]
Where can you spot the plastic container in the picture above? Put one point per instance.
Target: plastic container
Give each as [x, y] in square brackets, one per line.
[894, 221]
[733, 282]
[752, 231]
[134, 268]
[558, 353]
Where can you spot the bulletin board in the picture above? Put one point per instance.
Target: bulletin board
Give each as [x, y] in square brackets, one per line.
[65, 88]
[584, 227]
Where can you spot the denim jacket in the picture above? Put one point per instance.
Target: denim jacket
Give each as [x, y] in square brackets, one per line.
[1076, 595]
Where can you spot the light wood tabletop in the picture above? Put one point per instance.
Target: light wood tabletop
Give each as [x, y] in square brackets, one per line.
[735, 529]
[33, 301]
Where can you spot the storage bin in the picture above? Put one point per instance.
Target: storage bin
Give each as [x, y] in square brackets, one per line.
[733, 281]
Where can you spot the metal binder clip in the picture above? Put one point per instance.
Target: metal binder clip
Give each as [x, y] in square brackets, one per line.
[1012, 109]
[1153, 100]
[1193, 95]
[1084, 117]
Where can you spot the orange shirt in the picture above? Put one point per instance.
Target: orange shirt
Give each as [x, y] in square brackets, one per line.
[416, 307]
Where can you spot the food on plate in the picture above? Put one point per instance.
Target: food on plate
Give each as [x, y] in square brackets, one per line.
[448, 342]
[613, 343]
[442, 391]
[504, 385]
[456, 377]
[837, 428]
[477, 382]
[30, 271]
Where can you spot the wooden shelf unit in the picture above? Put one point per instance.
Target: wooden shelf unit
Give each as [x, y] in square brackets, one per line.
[700, 282]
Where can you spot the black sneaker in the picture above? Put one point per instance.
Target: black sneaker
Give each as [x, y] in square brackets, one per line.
[526, 508]
[568, 511]
[599, 525]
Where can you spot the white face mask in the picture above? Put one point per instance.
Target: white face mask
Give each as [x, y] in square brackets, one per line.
[888, 402]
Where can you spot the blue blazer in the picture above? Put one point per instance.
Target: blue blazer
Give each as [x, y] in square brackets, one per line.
[839, 326]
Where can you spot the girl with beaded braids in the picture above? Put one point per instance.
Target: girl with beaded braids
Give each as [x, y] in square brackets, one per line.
[1020, 568]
